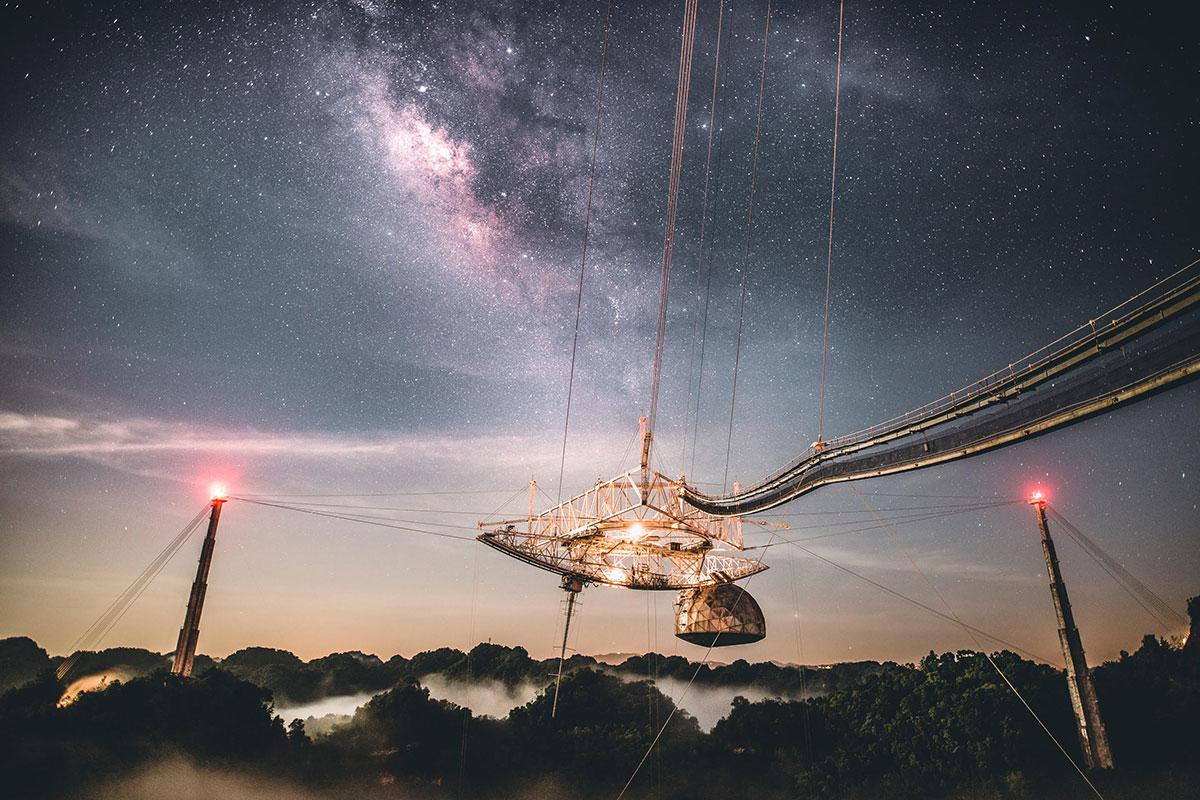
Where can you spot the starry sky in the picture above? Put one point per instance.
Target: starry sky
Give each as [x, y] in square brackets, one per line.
[333, 248]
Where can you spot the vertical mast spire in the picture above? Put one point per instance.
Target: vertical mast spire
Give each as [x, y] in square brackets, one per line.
[1093, 739]
[189, 634]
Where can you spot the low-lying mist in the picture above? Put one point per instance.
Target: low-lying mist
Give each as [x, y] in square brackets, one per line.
[492, 698]
[708, 704]
[338, 705]
[182, 779]
[484, 697]
[487, 697]
[91, 683]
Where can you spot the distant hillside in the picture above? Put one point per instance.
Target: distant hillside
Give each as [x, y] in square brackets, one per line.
[949, 728]
[21, 660]
[292, 680]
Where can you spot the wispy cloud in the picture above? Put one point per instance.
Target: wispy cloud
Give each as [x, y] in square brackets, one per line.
[175, 451]
[45, 435]
[886, 557]
[55, 196]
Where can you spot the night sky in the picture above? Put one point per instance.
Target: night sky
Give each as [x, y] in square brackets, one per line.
[334, 249]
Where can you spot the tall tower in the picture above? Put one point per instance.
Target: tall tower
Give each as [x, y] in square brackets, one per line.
[1093, 740]
[189, 634]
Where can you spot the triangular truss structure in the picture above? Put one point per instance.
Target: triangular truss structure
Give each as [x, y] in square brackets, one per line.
[634, 530]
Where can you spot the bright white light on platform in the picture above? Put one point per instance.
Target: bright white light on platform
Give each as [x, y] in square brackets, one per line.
[217, 491]
[616, 575]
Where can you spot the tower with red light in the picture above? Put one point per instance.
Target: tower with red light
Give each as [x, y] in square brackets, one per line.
[189, 634]
[1093, 739]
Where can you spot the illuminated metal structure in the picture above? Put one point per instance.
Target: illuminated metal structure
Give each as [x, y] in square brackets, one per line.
[634, 530]
[189, 634]
[1145, 345]
[644, 530]
[638, 532]
[720, 614]
[1093, 739]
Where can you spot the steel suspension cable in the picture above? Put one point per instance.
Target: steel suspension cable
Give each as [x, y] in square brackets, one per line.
[883, 587]
[701, 270]
[687, 45]
[703, 222]
[587, 231]
[687, 687]
[350, 518]
[950, 617]
[1165, 614]
[837, 95]
[979, 647]
[898, 520]
[737, 353]
[116, 610]
[708, 271]
[260, 495]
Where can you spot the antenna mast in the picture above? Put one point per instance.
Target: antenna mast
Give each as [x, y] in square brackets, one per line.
[1093, 739]
[189, 634]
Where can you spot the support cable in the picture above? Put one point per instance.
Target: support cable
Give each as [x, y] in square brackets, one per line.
[687, 45]
[587, 231]
[737, 353]
[917, 603]
[982, 651]
[687, 687]
[95, 633]
[837, 94]
[712, 248]
[897, 520]
[701, 272]
[462, 754]
[1141, 594]
[455, 493]
[795, 592]
[359, 519]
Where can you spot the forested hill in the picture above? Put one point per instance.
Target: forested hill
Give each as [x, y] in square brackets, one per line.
[293, 681]
[948, 727]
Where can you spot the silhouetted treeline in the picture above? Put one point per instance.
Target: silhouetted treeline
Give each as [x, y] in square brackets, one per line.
[946, 727]
[293, 681]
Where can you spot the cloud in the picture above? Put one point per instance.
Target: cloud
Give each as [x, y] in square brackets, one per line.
[938, 561]
[182, 778]
[48, 196]
[44, 435]
[34, 425]
[179, 450]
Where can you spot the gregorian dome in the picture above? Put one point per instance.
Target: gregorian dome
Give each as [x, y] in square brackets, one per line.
[720, 615]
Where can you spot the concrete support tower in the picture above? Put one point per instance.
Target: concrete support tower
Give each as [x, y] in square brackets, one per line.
[1093, 740]
[189, 634]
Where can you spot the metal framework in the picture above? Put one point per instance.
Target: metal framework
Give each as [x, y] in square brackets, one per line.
[635, 530]
[1093, 738]
[1145, 345]
[189, 634]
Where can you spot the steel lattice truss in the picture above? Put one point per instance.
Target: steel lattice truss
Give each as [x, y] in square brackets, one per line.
[1145, 345]
[634, 530]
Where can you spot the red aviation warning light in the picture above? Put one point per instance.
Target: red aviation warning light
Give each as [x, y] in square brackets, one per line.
[218, 493]
[1038, 498]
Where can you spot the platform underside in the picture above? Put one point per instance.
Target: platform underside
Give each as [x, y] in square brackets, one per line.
[633, 531]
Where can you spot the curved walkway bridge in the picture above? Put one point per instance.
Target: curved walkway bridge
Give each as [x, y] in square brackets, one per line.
[1147, 344]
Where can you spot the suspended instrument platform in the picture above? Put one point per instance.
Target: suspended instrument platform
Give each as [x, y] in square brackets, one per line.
[635, 530]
